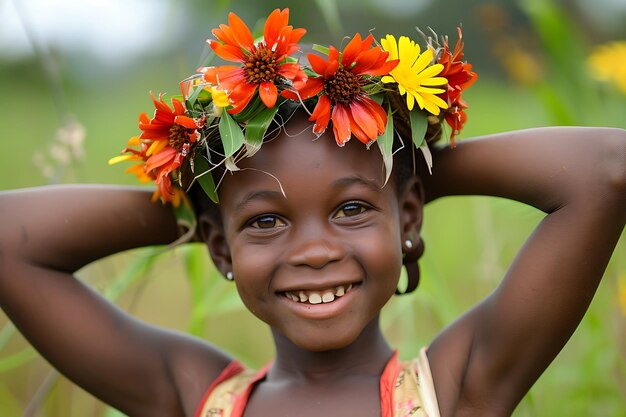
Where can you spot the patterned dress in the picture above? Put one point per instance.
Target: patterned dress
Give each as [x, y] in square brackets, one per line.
[406, 390]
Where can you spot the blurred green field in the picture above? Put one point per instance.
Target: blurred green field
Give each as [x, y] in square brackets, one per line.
[470, 242]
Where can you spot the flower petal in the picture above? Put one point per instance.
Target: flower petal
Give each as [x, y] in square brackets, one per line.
[187, 122]
[358, 132]
[161, 158]
[321, 115]
[268, 93]
[341, 124]
[312, 87]
[351, 51]
[389, 44]
[228, 52]
[240, 96]
[318, 64]
[274, 23]
[242, 34]
[366, 122]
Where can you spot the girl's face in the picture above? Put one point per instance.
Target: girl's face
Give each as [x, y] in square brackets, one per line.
[335, 230]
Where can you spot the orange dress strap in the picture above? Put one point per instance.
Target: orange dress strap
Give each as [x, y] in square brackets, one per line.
[407, 389]
[228, 394]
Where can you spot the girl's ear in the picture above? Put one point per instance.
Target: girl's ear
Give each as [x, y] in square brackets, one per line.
[411, 206]
[212, 233]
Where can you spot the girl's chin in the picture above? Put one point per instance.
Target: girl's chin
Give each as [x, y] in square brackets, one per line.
[322, 338]
[317, 339]
[323, 345]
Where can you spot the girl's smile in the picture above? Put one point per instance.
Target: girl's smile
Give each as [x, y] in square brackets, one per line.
[312, 236]
[321, 305]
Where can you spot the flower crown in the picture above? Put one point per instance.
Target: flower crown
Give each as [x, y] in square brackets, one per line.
[359, 90]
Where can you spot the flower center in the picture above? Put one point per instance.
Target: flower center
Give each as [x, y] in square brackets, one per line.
[343, 88]
[261, 66]
[180, 139]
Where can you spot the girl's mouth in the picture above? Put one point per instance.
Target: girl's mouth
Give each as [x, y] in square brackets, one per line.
[318, 297]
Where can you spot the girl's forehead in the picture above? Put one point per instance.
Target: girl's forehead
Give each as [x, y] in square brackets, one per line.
[296, 157]
[297, 149]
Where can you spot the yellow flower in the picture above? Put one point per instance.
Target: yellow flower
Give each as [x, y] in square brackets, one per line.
[608, 63]
[415, 75]
[220, 98]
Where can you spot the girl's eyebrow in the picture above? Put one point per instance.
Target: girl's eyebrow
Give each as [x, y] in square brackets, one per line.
[258, 195]
[357, 180]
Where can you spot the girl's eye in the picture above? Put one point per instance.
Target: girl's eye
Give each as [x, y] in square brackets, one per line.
[350, 209]
[267, 222]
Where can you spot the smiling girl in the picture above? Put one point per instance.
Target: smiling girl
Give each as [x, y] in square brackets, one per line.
[314, 236]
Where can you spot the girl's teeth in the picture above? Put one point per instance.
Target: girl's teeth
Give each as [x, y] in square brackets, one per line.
[328, 297]
[314, 297]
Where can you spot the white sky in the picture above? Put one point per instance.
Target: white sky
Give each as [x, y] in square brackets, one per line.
[110, 29]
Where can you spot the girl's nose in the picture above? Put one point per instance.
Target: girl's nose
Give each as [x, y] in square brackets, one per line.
[316, 253]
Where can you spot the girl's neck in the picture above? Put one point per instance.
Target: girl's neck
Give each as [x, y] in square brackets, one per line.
[368, 354]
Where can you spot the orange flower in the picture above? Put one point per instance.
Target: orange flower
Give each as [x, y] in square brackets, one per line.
[164, 189]
[164, 142]
[264, 64]
[460, 76]
[173, 135]
[343, 98]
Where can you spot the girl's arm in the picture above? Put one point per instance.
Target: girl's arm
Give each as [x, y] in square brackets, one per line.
[491, 356]
[47, 234]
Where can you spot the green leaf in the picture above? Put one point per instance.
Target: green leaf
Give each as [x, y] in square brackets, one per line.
[193, 97]
[252, 107]
[18, 359]
[205, 178]
[428, 157]
[256, 128]
[112, 412]
[178, 97]
[6, 334]
[378, 98]
[204, 96]
[186, 218]
[231, 134]
[419, 125]
[321, 49]
[136, 271]
[385, 144]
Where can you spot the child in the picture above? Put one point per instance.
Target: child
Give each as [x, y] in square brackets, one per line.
[314, 236]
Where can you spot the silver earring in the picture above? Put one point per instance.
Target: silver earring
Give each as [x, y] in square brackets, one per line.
[230, 276]
[408, 243]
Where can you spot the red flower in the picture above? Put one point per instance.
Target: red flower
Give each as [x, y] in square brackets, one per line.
[263, 64]
[164, 189]
[460, 76]
[343, 98]
[164, 142]
[172, 134]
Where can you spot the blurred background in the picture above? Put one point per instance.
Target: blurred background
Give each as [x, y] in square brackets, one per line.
[75, 75]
